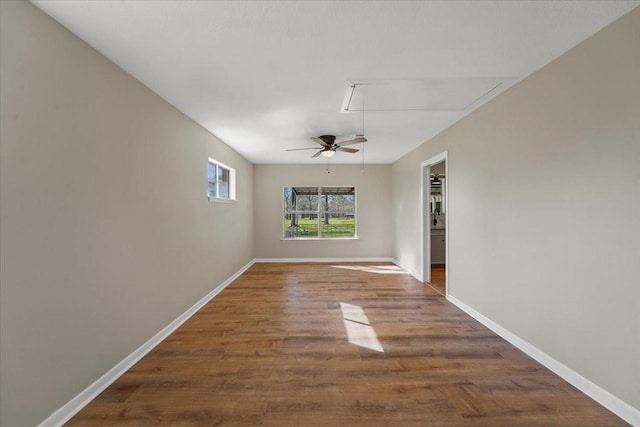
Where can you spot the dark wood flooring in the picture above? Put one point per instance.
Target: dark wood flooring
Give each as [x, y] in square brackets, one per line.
[273, 349]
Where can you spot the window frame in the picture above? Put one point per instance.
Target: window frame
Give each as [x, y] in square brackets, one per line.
[232, 181]
[319, 213]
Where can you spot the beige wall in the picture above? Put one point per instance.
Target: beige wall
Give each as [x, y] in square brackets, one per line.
[106, 232]
[544, 208]
[373, 198]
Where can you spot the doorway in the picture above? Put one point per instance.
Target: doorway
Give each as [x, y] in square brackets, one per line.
[435, 227]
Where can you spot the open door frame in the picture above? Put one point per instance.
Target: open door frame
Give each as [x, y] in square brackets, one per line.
[425, 226]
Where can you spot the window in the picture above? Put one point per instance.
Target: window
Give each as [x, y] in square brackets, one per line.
[222, 181]
[319, 212]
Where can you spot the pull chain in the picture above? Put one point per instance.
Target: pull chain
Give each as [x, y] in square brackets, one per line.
[362, 157]
[363, 133]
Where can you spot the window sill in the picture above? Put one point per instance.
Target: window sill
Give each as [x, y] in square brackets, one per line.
[318, 238]
[219, 200]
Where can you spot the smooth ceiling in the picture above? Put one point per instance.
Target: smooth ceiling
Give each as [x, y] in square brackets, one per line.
[266, 76]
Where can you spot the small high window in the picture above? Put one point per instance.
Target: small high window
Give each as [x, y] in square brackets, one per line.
[222, 181]
[319, 212]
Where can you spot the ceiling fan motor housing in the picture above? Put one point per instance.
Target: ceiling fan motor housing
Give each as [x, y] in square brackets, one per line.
[328, 139]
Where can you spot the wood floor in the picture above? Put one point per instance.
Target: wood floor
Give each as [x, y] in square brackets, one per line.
[274, 349]
[438, 279]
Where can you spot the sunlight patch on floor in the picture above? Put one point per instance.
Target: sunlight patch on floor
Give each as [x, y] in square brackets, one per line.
[359, 330]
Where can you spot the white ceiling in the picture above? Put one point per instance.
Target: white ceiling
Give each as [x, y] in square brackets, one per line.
[266, 76]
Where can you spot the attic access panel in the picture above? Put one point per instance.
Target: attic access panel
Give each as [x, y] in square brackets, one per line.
[451, 94]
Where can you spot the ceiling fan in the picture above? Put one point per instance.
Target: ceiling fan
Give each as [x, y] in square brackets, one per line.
[329, 146]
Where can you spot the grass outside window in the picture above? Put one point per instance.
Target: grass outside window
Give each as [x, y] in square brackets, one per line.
[337, 227]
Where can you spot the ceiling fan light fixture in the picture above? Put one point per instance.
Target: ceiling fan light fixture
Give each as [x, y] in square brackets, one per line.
[328, 153]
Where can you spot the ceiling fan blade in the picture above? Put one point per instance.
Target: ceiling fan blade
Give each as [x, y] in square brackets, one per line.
[357, 140]
[317, 154]
[345, 137]
[298, 149]
[348, 150]
[348, 136]
[319, 141]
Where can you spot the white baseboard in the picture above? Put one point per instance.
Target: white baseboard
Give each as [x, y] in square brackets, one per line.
[597, 393]
[415, 275]
[64, 413]
[324, 260]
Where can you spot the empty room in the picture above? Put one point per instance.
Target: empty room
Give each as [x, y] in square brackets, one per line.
[348, 213]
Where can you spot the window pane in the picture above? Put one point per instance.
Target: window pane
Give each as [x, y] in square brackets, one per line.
[338, 225]
[339, 199]
[338, 211]
[288, 199]
[300, 225]
[212, 180]
[223, 182]
[301, 198]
